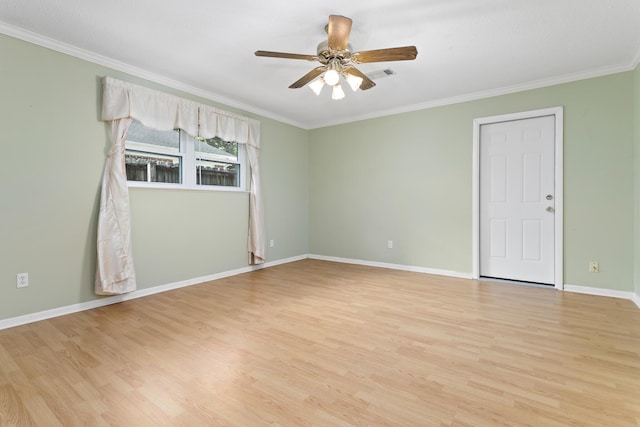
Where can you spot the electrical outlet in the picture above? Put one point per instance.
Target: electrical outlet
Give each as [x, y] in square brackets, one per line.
[272, 243]
[594, 267]
[22, 280]
[390, 244]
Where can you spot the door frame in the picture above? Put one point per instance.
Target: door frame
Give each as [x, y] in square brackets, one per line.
[558, 114]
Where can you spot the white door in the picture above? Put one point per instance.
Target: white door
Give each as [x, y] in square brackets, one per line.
[517, 168]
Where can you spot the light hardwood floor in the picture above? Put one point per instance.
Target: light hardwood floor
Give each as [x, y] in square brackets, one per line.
[326, 344]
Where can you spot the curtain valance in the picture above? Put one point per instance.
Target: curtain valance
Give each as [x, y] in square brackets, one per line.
[162, 111]
[122, 102]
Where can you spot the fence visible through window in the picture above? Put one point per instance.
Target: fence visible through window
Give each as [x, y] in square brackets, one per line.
[166, 156]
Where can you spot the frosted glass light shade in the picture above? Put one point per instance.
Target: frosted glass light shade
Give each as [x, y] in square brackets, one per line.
[354, 81]
[337, 93]
[316, 86]
[331, 77]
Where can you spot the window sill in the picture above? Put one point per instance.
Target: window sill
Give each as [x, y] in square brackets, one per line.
[165, 186]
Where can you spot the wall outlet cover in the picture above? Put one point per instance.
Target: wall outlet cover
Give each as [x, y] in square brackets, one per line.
[22, 280]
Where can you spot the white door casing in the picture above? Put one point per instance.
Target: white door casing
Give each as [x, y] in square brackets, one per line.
[517, 197]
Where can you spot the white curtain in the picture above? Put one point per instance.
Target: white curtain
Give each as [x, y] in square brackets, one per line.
[256, 216]
[124, 101]
[115, 273]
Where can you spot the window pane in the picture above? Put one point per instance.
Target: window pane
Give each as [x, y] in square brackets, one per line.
[217, 163]
[217, 173]
[149, 167]
[153, 155]
[166, 140]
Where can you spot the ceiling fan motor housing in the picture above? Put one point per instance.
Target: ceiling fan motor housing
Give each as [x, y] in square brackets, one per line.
[326, 54]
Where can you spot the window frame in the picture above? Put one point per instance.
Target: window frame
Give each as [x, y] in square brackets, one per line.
[188, 169]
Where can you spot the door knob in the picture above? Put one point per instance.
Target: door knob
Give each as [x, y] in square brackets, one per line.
[550, 209]
[549, 197]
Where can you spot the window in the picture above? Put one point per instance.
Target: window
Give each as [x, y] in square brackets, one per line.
[217, 162]
[152, 155]
[173, 159]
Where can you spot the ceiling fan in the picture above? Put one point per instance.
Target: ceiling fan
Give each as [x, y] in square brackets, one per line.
[338, 59]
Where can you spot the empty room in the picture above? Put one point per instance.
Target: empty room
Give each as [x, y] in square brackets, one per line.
[407, 213]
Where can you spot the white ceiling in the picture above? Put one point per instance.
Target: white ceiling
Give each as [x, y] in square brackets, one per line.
[467, 49]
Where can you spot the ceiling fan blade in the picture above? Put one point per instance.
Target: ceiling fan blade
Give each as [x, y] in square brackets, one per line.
[367, 83]
[308, 77]
[381, 55]
[286, 55]
[338, 31]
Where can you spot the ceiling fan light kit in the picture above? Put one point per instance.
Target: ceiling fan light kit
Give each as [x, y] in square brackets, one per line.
[331, 76]
[335, 55]
[337, 93]
[317, 85]
[333, 79]
[354, 81]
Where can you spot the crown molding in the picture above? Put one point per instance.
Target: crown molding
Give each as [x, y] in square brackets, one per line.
[636, 61]
[89, 56]
[76, 52]
[537, 84]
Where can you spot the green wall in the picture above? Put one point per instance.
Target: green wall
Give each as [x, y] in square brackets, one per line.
[340, 191]
[53, 156]
[407, 178]
[636, 115]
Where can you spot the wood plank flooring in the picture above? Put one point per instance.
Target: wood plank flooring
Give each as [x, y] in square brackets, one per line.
[326, 344]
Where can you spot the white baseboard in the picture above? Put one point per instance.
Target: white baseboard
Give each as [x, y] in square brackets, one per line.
[603, 292]
[636, 299]
[403, 267]
[567, 287]
[103, 301]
